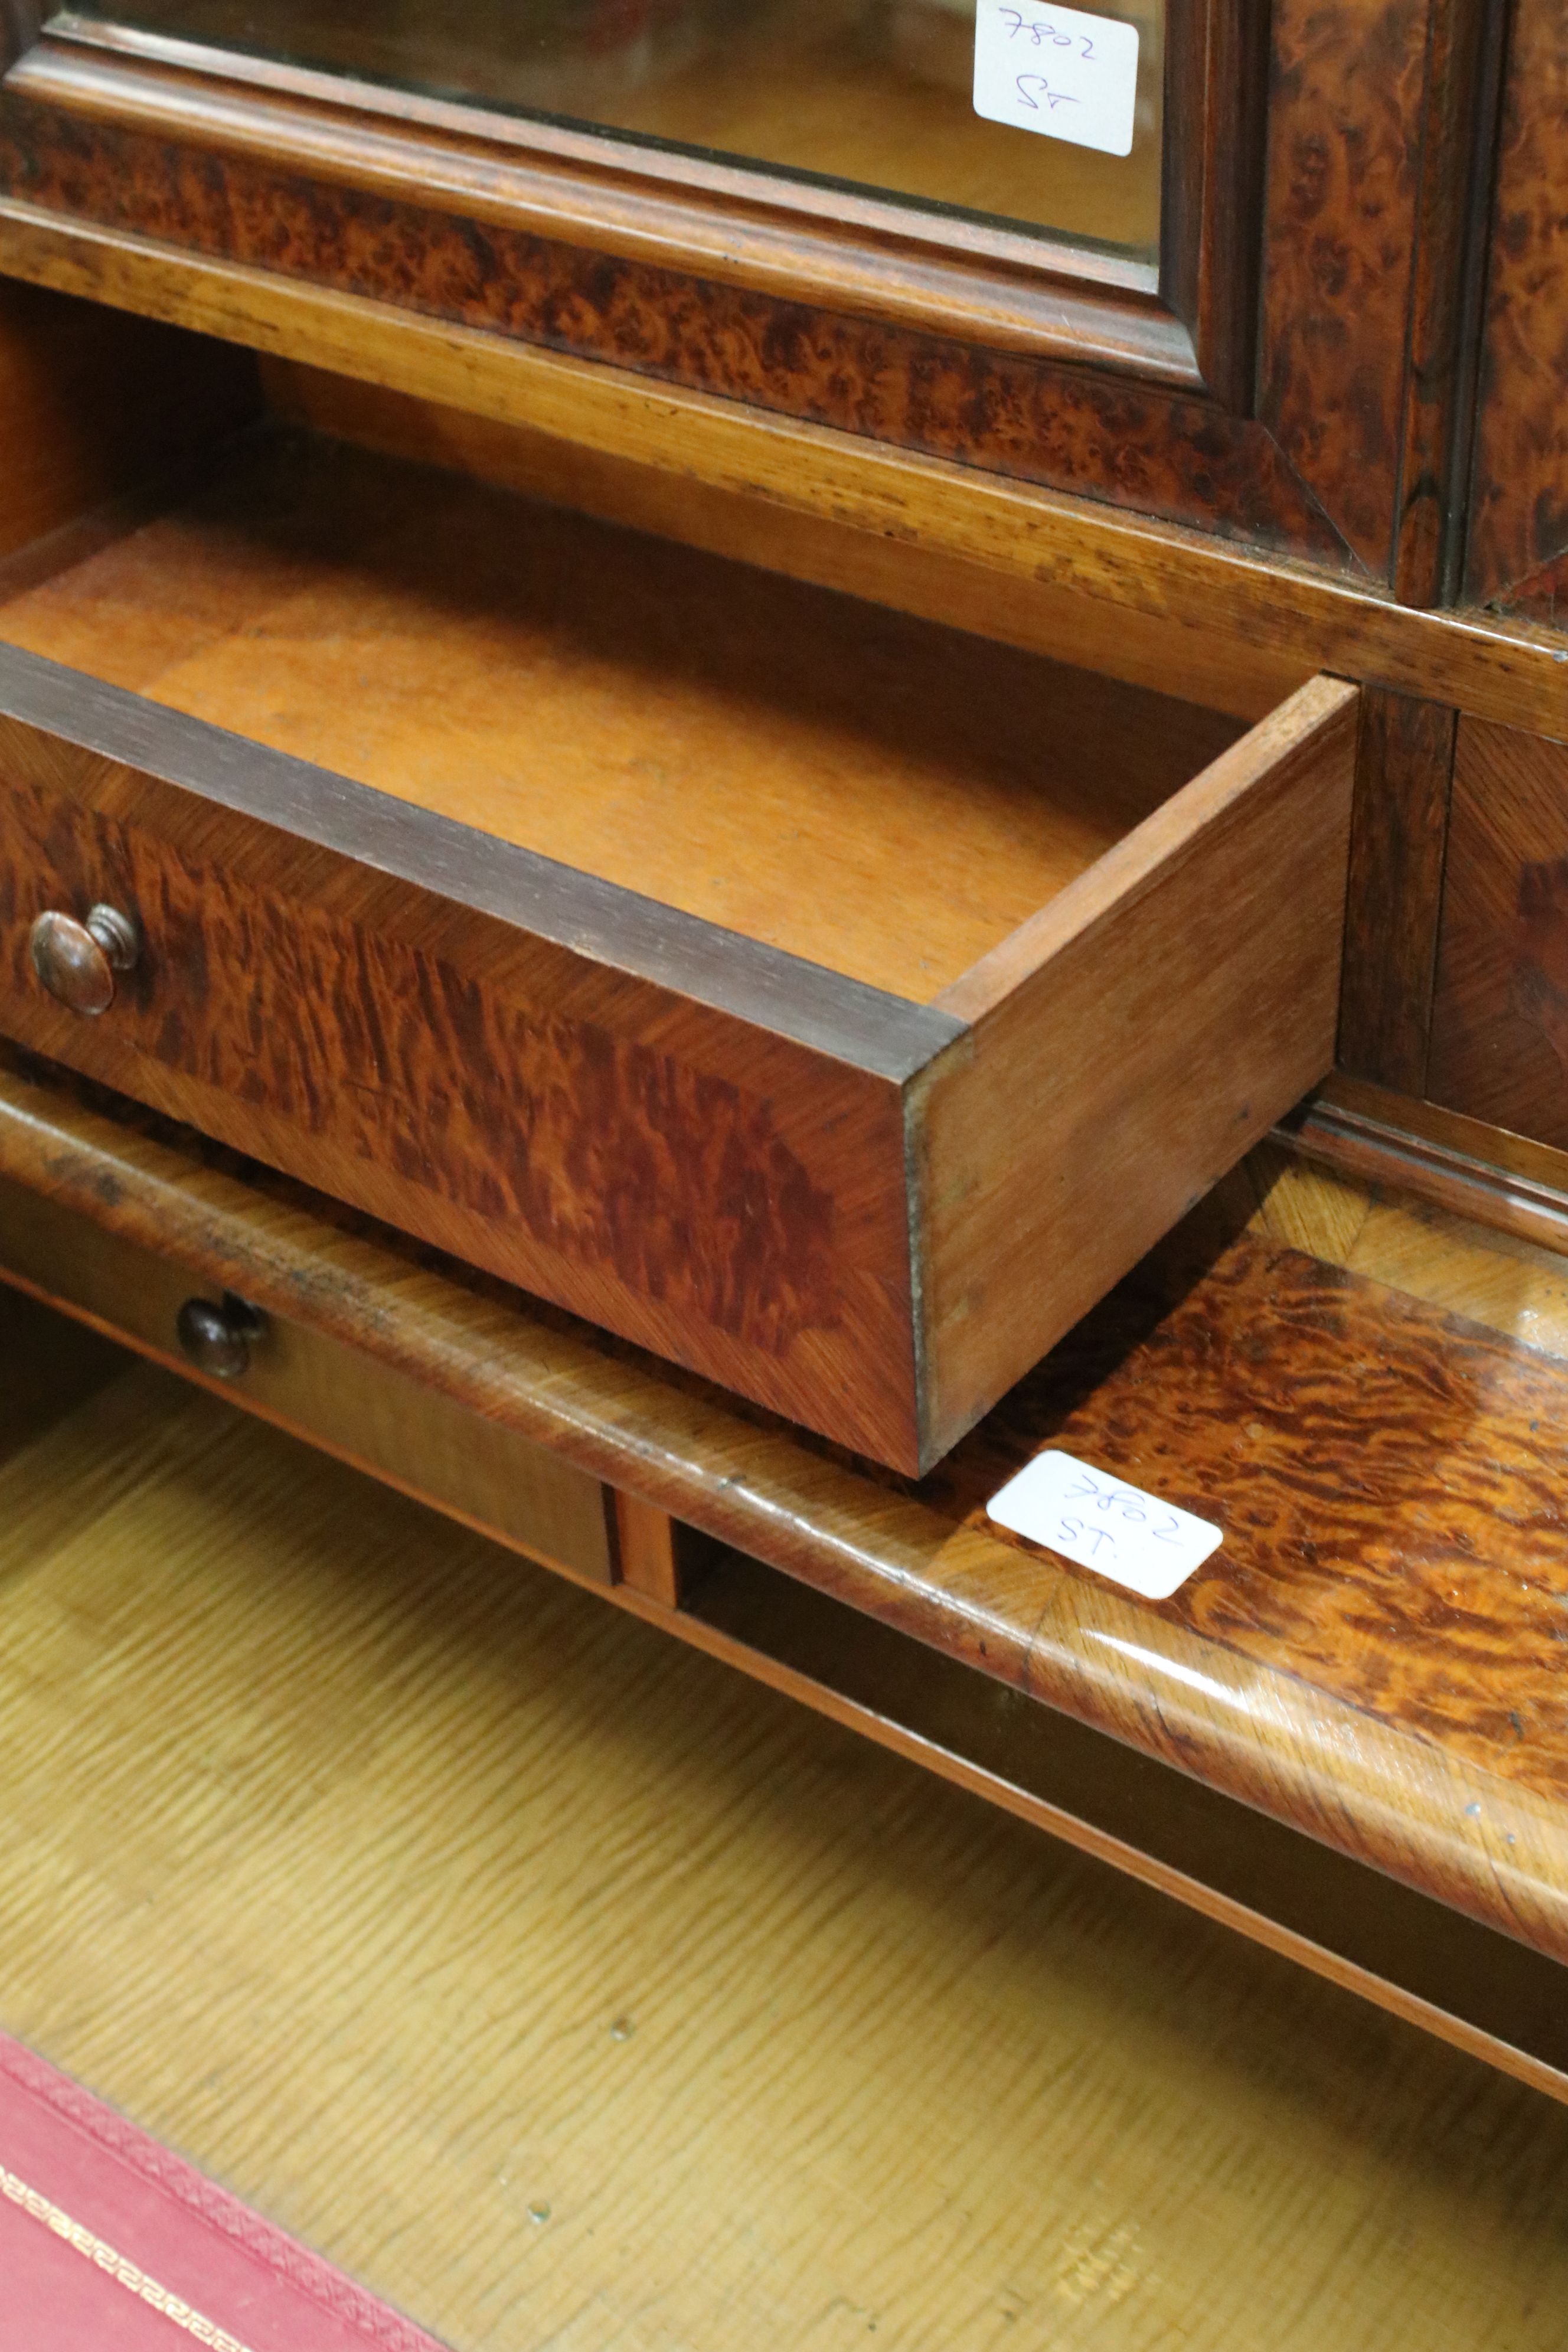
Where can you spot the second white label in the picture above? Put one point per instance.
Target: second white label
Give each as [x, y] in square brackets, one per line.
[1058, 71]
[1102, 1523]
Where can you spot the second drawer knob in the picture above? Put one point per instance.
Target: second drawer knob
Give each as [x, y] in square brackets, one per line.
[78, 963]
[217, 1339]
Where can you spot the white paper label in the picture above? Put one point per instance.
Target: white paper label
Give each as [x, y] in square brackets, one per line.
[1057, 70]
[1104, 1524]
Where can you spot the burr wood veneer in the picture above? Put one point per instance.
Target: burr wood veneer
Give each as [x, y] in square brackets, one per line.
[831, 1002]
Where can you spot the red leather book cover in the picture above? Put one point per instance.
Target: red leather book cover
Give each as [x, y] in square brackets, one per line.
[109, 2243]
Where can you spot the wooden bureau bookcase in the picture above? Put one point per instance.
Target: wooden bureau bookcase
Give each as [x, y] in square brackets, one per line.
[680, 809]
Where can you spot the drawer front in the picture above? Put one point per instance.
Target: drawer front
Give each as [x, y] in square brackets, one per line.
[1499, 1017]
[720, 1192]
[365, 1411]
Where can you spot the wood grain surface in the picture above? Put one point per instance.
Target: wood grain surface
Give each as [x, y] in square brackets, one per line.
[890, 567]
[47, 1367]
[1378, 1549]
[647, 1550]
[1397, 1947]
[1459, 137]
[874, 108]
[68, 448]
[558, 1984]
[1541, 596]
[1405, 760]
[1438, 1793]
[1216, 135]
[1499, 1022]
[1467, 1166]
[441, 1065]
[383, 1422]
[690, 270]
[506, 1097]
[1512, 1283]
[419, 1013]
[710, 217]
[1098, 1097]
[1518, 521]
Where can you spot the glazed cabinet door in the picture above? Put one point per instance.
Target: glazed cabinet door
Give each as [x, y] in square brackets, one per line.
[1197, 258]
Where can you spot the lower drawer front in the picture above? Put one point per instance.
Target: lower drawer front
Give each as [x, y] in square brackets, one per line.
[363, 1411]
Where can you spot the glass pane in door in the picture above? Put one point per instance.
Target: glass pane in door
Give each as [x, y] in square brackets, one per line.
[1059, 130]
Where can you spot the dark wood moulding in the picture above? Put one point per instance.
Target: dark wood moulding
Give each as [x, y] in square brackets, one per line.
[1371, 1657]
[1463, 1165]
[984, 403]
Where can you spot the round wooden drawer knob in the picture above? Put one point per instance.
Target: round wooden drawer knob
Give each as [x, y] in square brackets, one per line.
[218, 1338]
[77, 962]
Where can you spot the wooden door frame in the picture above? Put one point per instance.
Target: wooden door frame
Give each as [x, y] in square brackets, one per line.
[1186, 322]
[1289, 378]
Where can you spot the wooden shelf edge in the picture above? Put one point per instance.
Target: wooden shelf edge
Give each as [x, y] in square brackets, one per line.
[1086, 1837]
[649, 1589]
[1441, 1157]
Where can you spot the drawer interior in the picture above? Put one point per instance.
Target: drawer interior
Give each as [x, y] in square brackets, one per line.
[881, 795]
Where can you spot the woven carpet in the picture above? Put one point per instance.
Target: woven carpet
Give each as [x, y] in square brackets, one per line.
[108, 2243]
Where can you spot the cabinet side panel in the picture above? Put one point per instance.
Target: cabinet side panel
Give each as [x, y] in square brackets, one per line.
[1344, 155]
[1500, 1024]
[1120, 1080]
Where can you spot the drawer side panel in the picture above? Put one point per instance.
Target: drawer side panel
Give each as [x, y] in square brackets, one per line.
[1136, 1046]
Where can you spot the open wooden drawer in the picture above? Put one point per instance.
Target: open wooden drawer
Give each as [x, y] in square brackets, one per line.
[828, 1000]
